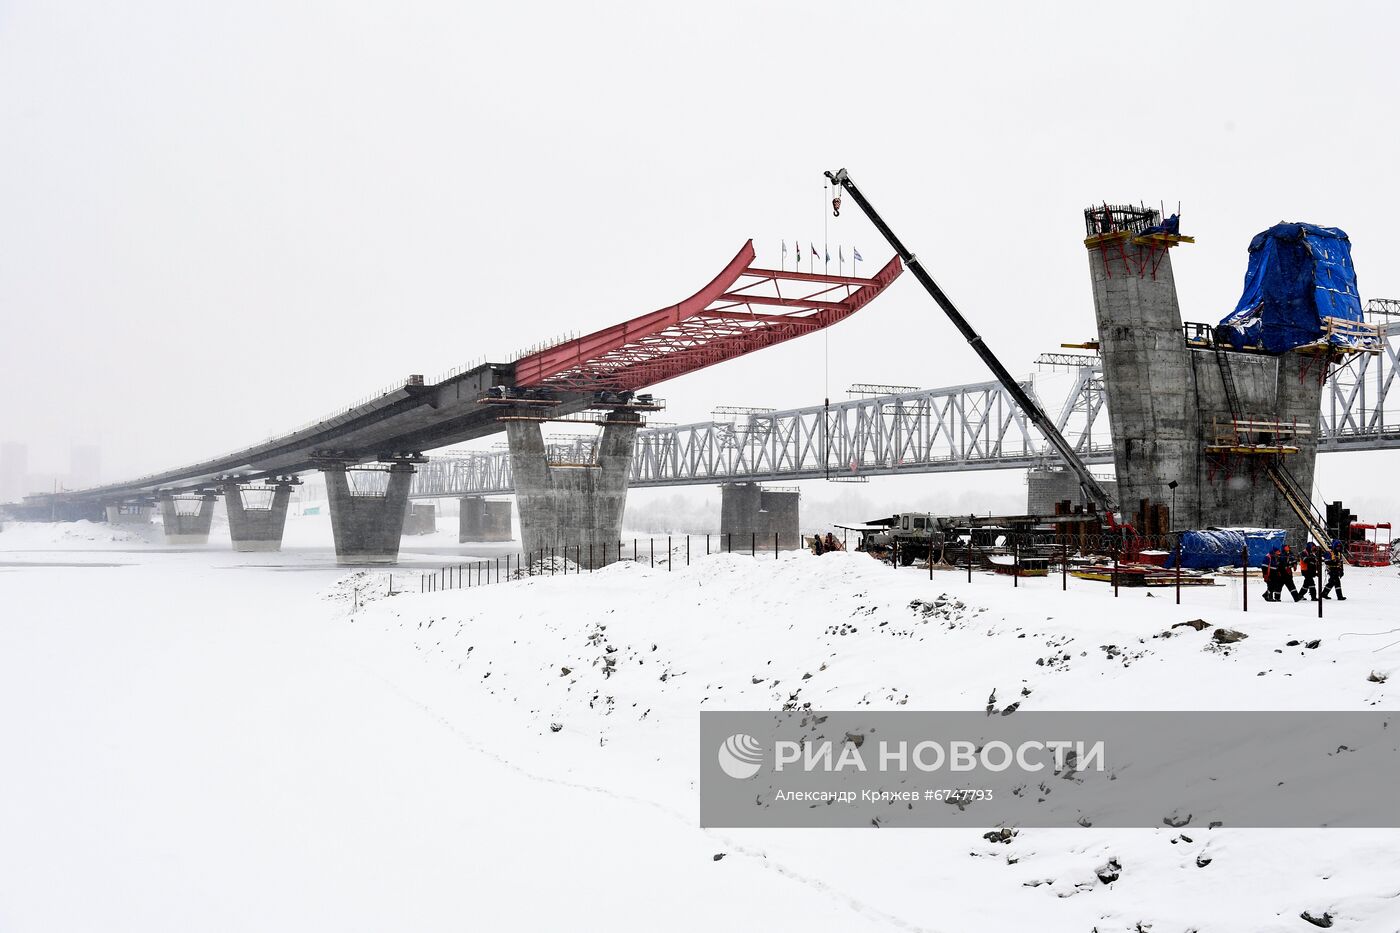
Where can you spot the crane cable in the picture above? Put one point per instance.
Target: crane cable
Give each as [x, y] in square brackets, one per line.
[826, 353]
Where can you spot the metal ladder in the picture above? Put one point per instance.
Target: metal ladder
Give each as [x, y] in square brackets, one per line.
[1227, 377]
[1298, 501]
[1293, 495]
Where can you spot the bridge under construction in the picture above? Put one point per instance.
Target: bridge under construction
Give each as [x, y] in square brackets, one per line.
[892, 430]
[369, 452]
[1221, 421]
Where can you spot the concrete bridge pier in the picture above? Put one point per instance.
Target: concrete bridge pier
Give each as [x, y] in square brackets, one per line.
[367, 514]
[420, 518]
[256, 522]
[1168, 403]
[750, 515]
[482, 519]
[187, 519]
[130, 513]
[572, 506]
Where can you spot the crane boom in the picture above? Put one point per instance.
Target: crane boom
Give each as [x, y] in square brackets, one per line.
[1092, 489]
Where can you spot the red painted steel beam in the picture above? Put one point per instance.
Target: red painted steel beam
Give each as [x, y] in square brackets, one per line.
[810, 277]
[783, 302]
[733, 313]
[711, 326]
[535, 368]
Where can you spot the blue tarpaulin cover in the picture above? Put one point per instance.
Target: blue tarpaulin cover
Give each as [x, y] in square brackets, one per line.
[1298, 274]
[1221, 547]
[1171, 226]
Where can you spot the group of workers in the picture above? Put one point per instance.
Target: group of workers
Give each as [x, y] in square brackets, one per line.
[825, 545]
[1312, 563]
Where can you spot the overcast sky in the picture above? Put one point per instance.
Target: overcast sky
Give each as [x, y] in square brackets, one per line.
[218, 221]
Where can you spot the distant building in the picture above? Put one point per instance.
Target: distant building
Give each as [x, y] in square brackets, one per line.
[84, 466]
[14, 471]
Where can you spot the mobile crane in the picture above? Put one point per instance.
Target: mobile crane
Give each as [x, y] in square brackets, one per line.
[841, 180]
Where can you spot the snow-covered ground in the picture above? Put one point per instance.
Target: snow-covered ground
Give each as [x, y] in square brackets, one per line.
[197, 739]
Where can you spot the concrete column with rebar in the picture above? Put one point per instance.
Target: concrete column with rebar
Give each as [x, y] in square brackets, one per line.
[187, 519]
[1169, 406]
[1146, 368]
[573, 506]
[367, 520]
[257, 515]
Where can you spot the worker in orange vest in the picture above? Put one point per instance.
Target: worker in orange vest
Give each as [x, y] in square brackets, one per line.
[1311, 566]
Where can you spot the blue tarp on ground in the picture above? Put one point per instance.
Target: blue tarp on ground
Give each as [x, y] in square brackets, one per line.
[1298, 274]
[1221, 547]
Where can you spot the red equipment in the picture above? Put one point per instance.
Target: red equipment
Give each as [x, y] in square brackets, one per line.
[1369, 553]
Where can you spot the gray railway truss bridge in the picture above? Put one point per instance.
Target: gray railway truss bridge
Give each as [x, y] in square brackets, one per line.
[892, 430]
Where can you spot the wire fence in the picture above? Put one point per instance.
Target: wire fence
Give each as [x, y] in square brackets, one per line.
[1020, 558]
[579, 559]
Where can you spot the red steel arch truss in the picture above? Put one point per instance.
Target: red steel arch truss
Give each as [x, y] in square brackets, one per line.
[745, 308]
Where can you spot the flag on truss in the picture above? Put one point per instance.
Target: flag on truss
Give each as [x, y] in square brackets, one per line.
[798, 247]
[855, 253]
[828, 255]
[785, 249]
[814, 249]
[840, 254]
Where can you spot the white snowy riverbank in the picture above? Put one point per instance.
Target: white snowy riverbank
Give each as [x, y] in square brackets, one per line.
[199, 739]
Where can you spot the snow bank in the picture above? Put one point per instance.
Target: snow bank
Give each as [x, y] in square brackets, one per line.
[596, 679]
[36, 535]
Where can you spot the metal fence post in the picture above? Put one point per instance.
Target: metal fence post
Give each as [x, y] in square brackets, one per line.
[687, 550]
[775, 545]
[930, 556]
[669, 553]
[1178, 573]
[753, 544]
[1015, 563]
[1115, 573]
[1064, 566]
[1244, 566]
[590, 556]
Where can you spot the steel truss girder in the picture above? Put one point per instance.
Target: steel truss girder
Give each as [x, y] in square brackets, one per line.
[968, 427]
[1358, 409]
[727, 318]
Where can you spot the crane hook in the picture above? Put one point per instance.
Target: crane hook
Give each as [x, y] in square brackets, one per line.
[836, 206]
